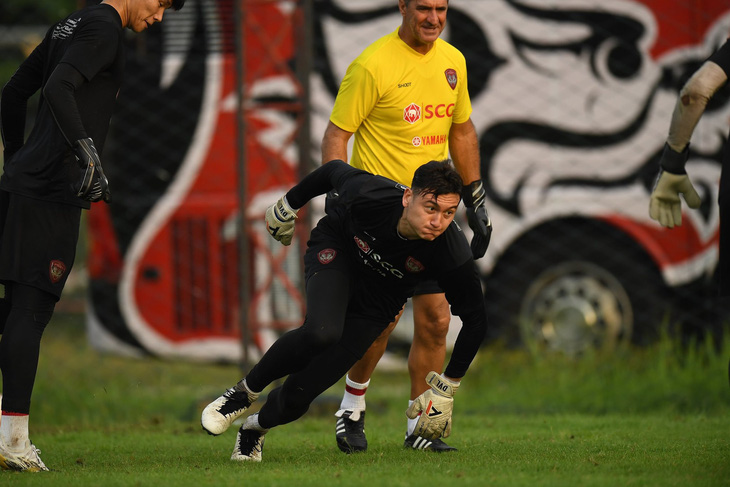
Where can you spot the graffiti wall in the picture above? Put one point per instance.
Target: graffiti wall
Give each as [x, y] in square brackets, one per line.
[571, 101]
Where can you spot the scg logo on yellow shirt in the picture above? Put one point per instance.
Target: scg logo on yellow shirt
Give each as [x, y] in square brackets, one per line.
[412, 113]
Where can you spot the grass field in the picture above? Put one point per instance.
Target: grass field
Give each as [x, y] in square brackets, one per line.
[657, 416]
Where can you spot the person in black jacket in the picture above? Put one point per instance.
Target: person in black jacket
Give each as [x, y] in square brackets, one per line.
[47, 181]
[378, 240]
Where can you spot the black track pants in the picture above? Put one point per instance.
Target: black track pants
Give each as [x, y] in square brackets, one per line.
[30, 311]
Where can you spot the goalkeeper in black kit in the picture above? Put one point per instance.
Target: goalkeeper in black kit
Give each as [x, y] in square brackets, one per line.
[47, 181]
[364, 258]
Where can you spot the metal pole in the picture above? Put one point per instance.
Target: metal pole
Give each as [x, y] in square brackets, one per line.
[243, 237]
[303, 72]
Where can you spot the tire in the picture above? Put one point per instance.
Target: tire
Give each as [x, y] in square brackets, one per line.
[573, 285]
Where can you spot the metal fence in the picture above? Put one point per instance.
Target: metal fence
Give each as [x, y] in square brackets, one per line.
[224, 107]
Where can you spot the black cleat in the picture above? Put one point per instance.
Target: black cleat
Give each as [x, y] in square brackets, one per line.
[350, 434]
[418, 443]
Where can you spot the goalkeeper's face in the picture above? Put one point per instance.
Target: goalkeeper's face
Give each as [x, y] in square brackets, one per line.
[426, 216]
[142, 14]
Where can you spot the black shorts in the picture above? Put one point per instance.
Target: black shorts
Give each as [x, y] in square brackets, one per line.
[37, 241]
[430, 286]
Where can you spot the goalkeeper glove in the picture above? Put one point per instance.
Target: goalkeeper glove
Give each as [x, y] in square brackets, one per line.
[665, 205]
[434, 407]
[280, 219]
[476, 214]
[93, 185]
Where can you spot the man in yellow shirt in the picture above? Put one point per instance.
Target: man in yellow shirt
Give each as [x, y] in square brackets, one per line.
[405, 99]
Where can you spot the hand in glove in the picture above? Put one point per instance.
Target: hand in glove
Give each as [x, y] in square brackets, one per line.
[665, 205]
[434, 407]
[280, 219]
[476, 214]
[93, 185]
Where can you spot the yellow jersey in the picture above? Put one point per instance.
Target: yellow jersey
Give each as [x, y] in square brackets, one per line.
[400, 105]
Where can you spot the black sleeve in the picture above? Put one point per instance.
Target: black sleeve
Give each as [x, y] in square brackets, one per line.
[464, 294]
[722, 58]
[60, 95]
[14, 100]
[94, 48]
[329, 176]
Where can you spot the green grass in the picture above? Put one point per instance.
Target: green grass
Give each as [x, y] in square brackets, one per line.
[657, 416]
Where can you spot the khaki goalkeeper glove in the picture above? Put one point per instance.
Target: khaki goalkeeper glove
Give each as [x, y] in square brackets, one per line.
[665, 205]
[280, 219]
[435, 407]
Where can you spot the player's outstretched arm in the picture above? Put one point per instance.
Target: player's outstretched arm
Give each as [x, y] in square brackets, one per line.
[672, 181]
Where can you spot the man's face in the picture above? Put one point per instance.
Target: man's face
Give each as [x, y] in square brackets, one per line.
[426, 217]
[144, 13]
[423, 21]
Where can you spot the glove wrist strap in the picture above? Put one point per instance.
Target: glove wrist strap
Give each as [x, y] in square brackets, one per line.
[473, 193]
[285, 209]
[441, 385]
[672, 161]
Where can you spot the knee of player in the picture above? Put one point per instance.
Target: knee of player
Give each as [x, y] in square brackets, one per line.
[433, 327]
[320, 337]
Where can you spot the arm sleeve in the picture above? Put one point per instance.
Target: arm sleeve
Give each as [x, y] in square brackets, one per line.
[462, 110]
[695, 95]
[14, 100]
[60, 96]
[464, 294]
[332, 175]
[356, 98]
[93, 49]
[721, 57]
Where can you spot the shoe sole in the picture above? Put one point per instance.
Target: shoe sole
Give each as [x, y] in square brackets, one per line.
[345, 447]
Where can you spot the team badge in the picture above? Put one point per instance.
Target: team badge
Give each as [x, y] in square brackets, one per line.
[451, 77]
[412, 113]
[362, 245]
[412, 265]
[326, 256]
[56, 271]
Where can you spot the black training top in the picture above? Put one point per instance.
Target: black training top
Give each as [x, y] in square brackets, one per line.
[362, 222]
[79, 66]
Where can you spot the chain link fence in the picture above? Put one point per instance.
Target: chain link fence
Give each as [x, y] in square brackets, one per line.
[571, 101]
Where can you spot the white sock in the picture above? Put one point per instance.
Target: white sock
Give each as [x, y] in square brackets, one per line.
[14, 430]
[411, 424]
[354, 397]
[252, 423]
[242, 386]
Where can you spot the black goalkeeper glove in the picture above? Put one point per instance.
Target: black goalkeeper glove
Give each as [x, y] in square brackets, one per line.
[476, 214]
[92, 185]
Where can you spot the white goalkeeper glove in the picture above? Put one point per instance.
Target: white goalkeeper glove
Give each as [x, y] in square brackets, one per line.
[280, 219]
[435, 407]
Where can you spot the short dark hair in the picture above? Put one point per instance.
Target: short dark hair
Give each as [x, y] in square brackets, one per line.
[436, 178]
[177, 4]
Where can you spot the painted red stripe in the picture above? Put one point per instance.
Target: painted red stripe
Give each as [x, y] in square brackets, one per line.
[8, 413]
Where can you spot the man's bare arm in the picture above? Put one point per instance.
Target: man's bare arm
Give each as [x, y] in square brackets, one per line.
[334, 143]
